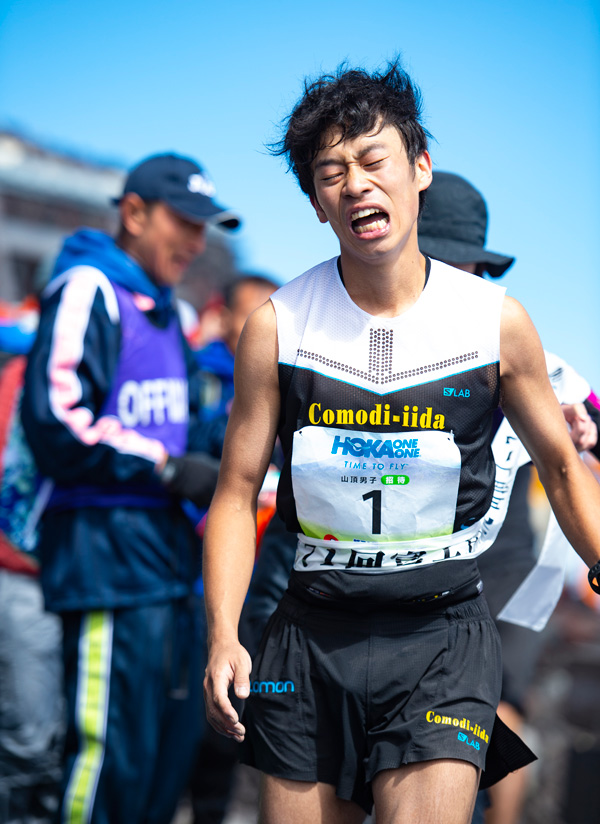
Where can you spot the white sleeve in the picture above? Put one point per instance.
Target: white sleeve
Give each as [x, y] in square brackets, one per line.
[569, 386]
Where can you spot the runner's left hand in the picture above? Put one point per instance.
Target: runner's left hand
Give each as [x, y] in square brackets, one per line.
[583, 430]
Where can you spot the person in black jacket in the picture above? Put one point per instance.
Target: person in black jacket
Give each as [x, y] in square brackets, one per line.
[453, 228]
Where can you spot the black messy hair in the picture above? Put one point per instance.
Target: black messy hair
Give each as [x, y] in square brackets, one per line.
[355, 102]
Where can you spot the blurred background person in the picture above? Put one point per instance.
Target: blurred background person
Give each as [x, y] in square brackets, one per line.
[32, 717]
[18, 325]
[110, 409]
[216, 359]
[453, 228]
[212, 779]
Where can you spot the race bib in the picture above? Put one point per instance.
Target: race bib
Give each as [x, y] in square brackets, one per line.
[371, 486]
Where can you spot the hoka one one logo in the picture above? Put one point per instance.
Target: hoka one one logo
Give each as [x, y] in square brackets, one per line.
[272, 686]
[375, 448]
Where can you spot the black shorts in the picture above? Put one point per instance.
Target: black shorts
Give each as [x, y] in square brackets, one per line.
[339, 696]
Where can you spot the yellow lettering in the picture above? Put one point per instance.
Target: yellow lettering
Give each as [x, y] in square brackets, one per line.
[438, 719]
[345, 416]
[425, 419]
[311, 413]
[379, 416]
[375, 415]
[446, 719]
[429, 716]
[455, 722]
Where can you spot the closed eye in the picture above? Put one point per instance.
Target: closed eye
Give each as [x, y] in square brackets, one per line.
[332, 176]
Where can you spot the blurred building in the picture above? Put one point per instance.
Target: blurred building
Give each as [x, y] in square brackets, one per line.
[47, 193]
[44, 195]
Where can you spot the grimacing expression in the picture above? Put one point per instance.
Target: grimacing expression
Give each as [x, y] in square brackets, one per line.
[367, 189]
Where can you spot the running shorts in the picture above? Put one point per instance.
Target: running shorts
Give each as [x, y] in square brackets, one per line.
[337, 696]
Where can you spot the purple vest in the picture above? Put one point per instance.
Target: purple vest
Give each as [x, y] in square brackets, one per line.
[149, 392]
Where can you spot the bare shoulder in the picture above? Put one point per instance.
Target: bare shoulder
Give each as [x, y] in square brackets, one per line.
[256, 376]
[515, 320]
[520, 347]
[257, 352]
[260, 330]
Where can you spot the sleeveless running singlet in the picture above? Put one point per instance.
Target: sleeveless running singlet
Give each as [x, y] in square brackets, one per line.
[386, 428]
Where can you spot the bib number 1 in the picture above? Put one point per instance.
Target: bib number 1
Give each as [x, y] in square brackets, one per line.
[375, 496]
[339, 476]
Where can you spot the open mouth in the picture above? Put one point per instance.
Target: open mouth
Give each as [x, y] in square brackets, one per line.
[369, 220]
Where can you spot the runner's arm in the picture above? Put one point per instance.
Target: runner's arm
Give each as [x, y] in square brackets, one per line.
[531, 407]
[230, 537]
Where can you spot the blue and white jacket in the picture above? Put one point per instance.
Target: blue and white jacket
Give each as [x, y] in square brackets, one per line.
[110, 537]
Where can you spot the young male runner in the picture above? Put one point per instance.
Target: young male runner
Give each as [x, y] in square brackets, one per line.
[380, 370]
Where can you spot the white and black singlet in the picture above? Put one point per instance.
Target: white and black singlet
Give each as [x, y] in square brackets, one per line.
[386, 429]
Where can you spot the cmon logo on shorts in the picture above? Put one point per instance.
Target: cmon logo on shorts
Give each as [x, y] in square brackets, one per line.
[272, 686]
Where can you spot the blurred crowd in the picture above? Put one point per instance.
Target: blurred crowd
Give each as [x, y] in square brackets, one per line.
[115, 389]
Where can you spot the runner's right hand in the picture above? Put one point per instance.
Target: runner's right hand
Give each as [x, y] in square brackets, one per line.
[228, 663]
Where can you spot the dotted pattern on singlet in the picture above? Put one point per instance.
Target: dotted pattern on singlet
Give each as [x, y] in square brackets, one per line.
[381, 344]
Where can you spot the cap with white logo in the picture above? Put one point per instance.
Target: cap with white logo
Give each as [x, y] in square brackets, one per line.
[183, 185]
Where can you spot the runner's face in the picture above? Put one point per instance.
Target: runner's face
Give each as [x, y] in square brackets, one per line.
[368, 191]
[167, 244]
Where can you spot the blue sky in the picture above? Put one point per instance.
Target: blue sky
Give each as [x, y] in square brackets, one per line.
[511, 95]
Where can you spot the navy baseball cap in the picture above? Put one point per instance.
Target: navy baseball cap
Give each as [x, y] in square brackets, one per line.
[183, 185]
